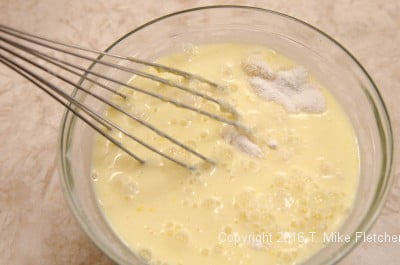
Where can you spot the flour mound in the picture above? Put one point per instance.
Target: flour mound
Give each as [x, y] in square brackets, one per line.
[253, 66]
[242, 143]
[288, 88]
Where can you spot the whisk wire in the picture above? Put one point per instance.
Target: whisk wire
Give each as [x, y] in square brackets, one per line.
[113, 105]
[74, 105]
[120, 67]
[29, 75]
[128, 58]
[160, 97]
[106, 123]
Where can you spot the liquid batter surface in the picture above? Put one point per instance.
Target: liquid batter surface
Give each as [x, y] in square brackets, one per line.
[251, 208]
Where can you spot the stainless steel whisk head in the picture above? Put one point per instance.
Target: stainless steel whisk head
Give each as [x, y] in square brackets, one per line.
[15, 45]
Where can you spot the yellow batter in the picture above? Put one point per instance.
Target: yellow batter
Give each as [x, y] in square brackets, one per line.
[304, 181]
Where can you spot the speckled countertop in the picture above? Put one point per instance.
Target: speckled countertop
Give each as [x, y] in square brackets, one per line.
[36, 226]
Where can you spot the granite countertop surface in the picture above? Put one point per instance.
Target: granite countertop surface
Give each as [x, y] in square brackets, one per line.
[36, 225]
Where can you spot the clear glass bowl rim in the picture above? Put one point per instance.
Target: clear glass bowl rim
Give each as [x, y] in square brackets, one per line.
[383, 186]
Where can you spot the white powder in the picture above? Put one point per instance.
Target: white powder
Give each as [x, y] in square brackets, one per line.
[273, 144]
[242, 143]
[254, 66]
[289, 88]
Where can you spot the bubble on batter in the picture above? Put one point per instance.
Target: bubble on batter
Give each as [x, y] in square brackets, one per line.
[196, 178]
[231, 86]
[188, 190]
[327, 170]
[182, 236]
[188, 98]
[191, 143]
[204, 135]
[227, 71]
[228, 229]
[126, 186]
[226, 154]
[145, 254]
[219, 249]
[176, 231]
[255, 208]
[94, 176]
[205, 251]
[190, 49]
[288, 201]
[139, 112]
[213, 203]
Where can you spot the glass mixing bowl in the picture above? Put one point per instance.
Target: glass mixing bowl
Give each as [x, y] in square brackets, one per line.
[334, 66]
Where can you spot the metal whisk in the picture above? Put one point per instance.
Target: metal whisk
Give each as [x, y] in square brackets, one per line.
[15, 45]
